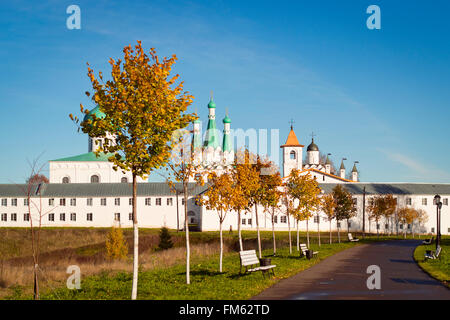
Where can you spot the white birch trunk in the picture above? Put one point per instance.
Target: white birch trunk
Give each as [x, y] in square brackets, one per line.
[135, 242]
[257, 230]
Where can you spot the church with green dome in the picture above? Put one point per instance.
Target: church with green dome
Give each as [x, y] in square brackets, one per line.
[88, 167]
[215, 150]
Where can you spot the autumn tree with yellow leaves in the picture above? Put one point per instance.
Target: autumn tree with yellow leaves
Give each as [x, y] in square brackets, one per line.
[245, 180]
[261, 193]
[345, 207]
[305, 190]
[381, 206]
[218, 197]
[184, 170]
[271, 196]
[142, 106]
[407, 216]
[328, 206]
[288, 203]
[422, 218]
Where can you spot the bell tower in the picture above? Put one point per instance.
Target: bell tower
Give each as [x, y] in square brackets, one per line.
[292, 153]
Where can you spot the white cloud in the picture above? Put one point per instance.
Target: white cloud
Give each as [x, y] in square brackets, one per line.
[420, 170]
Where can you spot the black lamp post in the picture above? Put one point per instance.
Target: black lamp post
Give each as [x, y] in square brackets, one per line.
[438, 203]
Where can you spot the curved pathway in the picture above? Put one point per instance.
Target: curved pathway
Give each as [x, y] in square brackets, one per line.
[344, 276]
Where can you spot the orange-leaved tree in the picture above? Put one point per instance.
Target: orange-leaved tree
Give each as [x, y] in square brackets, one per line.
[245, 180]
[344, 206]
[328, 207]
[140, 106]
[305, 190]
[219, 197]
[270, 185]
[184, 170]
[267, 180]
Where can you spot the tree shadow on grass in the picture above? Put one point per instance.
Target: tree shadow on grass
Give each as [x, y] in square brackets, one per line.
[239, 275]
[204, 272]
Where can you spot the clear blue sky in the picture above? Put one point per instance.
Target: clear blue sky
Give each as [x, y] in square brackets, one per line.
[377, 96]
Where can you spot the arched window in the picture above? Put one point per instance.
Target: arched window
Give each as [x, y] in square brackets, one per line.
[95, 179]
[65, 180]
[293, 155]
[124, 180]
[191, 214]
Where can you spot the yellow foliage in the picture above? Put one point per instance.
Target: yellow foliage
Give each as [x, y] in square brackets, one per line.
[116, 245]
[305, 191]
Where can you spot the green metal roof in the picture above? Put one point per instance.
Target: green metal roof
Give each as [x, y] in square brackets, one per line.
[162, 189]
[90, 156]
[227, 144]
[211, 139]
[197, 141]
[226, 119]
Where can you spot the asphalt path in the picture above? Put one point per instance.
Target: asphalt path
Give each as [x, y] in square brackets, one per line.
[344, 276]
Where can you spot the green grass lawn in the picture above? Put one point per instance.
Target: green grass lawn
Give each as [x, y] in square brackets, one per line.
[440, 268]
[206, 281]
[168, 282]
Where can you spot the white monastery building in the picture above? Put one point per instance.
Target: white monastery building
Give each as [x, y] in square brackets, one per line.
[84, 191]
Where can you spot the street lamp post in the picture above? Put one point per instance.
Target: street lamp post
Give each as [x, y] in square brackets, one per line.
[438, 203]
[364, 212]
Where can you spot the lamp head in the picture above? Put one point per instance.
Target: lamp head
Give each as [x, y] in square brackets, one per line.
[437, 199]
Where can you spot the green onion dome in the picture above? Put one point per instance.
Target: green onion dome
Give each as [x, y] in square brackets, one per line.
[96, 111]
[211, 104]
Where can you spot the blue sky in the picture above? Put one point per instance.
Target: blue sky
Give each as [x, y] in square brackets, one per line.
[377, 96]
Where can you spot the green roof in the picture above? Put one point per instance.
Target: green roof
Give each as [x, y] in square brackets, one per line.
[226, 119]
[162, 189]
[211, 104]
[227, 143]
[96, 111]
[90, 156]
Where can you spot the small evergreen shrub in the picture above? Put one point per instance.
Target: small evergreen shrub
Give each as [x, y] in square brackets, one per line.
[165, 239]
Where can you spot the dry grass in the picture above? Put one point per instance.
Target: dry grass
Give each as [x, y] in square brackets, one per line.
[53, 266]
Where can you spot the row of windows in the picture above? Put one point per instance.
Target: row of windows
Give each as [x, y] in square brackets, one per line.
[158, 201]
[62, 217]
[72, 216]
[409, 201]
[13, 202]
[90, 201]
[283, 219]
[94, 179]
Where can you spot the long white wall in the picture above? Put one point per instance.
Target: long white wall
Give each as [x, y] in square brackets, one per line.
[155, 216]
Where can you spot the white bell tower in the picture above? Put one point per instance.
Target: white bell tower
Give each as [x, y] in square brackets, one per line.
[292, 153]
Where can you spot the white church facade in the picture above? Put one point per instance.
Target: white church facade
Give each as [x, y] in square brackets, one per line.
[84, 191]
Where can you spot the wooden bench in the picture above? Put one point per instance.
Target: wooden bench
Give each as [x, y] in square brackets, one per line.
[434, 254]
[250, 261]
[304, 249]
[428, 241]
[351, 239]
